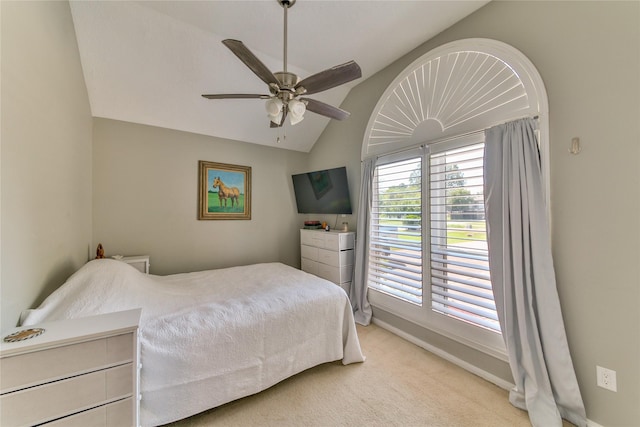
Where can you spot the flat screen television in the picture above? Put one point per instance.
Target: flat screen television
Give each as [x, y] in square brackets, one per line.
[322, 192]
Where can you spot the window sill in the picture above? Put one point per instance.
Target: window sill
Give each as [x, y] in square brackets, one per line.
[495, 348]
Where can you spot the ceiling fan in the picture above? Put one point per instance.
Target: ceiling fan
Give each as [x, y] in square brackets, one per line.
[286, 89]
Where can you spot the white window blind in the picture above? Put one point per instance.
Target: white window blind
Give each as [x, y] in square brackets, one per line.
[395, 249]
[459, 270]
[452, 279]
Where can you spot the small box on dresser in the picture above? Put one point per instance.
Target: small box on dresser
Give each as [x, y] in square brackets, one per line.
[328, 254]
[76, 373]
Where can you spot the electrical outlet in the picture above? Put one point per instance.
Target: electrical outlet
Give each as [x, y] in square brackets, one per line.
[606, 378]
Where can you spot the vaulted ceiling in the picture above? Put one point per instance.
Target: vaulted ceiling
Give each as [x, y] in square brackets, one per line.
[148, 62]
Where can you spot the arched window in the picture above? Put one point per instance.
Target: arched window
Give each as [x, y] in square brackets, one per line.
[427, 235]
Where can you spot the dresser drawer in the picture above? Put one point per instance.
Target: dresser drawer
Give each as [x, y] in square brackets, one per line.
[327, 240]
[331, 241]
[60, 398]
[309, 252]
[116, 414]
[335, 274]
[335, 259]
[339, 241]
[35, 368]
[309, 266]
[312, 238]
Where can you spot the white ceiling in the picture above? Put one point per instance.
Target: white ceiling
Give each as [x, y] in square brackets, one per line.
[148, 62]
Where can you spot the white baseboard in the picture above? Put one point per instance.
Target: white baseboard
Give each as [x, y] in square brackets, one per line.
[506, 385]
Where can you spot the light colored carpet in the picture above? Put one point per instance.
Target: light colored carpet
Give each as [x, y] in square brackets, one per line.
[399, 384]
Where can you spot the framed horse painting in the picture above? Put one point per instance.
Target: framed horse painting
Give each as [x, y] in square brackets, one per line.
[224, 191]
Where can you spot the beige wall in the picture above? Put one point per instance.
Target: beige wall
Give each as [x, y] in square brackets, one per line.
[46, 154]
[341, 142]
[588, 56]
[146, 197]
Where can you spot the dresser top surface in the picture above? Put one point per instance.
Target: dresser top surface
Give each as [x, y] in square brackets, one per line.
[326, 232]
[65, 332]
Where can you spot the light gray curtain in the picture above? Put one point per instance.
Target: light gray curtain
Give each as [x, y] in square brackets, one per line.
[523, 278]
[358, 291]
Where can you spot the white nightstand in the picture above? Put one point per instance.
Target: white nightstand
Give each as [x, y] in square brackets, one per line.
[140, 262]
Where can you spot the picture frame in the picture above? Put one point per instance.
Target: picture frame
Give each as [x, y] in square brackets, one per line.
[224, 191]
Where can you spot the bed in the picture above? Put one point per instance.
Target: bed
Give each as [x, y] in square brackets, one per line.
[210, 337]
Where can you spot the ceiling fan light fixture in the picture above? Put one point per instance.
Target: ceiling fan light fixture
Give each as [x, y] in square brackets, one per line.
[294, 120]
[296, 111]
[274, 109]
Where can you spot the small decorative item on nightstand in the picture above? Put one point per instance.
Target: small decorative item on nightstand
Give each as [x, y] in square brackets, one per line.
[100, 251]
[24, 334]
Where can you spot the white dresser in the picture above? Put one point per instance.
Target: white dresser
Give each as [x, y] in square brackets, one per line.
[328, 254]
[82, 372]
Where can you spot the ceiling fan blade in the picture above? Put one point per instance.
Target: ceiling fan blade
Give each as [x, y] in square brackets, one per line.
[236, 96]
[251, 61]
[329, 78]
[325, 109]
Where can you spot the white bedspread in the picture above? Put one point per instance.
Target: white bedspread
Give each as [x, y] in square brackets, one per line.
[211, 337]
